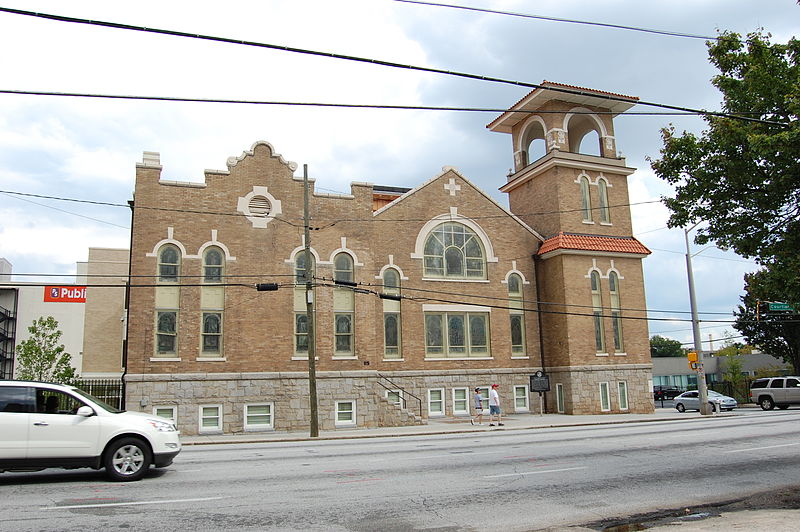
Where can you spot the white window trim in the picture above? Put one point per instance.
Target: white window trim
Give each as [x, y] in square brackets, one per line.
[259, 428]
[443, 400]
[527, 407]
[209, 430]
[608, 396]
[619, 396]
[336, 422]
[560, 408]
[399, 394]
[466, 400]
[173, 408]
[213, 359]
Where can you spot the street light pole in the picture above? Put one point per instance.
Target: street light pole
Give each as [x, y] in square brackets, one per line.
[702, 388]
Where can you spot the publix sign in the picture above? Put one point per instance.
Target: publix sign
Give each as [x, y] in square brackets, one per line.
[65, 294]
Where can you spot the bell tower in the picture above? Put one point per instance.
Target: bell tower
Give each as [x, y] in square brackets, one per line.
[570, 184]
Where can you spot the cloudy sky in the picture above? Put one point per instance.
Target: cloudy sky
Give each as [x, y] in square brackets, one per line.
[86, 149]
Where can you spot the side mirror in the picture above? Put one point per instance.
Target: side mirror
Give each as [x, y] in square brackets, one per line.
[85, 411]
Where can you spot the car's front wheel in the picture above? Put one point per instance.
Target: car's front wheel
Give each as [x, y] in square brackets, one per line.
[127, 459]
[766, 403]
[680, 408]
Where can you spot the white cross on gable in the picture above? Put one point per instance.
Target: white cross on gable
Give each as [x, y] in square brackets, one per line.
[452, 187]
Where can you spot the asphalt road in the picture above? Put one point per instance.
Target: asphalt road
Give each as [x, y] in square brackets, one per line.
[497, 480]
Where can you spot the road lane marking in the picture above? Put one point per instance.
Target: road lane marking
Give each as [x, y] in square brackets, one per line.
[536, 472]
[139, 503]
[761, 448]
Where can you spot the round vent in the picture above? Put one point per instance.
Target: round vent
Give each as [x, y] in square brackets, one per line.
[259, 206]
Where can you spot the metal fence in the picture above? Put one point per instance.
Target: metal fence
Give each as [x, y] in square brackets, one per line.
[739, 391]
[108, 390]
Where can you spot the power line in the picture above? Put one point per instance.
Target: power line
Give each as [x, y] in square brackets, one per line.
[287, 220]
[340, 105]
[379, 62]
[68, 212]
[567, 20]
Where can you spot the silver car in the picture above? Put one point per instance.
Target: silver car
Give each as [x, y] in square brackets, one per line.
[691, 401]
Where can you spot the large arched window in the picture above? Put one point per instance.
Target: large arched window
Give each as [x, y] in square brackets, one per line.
[602, 189]
[391, 314]
[301, 322]
[586, 201]
[212, 302]
[616, 310]
[517, 314]
[343, 306]
[453, 250]
[213, 265]
[167, 301]
[169, 264]
[597, 312]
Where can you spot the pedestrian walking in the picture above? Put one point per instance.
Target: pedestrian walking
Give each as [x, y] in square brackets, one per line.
[494, 406]
[478, 402]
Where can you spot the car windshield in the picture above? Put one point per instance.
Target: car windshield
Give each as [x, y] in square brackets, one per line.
[712, 393]
[98, 402]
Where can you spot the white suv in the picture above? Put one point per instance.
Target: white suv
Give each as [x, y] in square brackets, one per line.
[53, 425]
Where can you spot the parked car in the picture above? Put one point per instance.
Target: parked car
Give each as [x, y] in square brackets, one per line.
[52, 425]
[691, 401]
[663, 392]
[770, 392]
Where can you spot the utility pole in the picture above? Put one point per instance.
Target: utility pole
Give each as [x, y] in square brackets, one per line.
[312, 351]
[702, 388]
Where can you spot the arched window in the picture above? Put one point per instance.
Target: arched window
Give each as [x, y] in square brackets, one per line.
[212, 333]
[597, 311]
[212, 302]
[343, 267]
[616, 310]
[391, 314]
[167, 301]
[453, 250]
[586, 201]
[605, 214]
[517, 314]
[343, 306]
[301, 323]
[300, 267]
[169, 264]
[213, 268]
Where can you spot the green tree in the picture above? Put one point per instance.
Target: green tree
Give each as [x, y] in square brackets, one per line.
[741, 176]
[41, 357]
[775, 333]
[665, 347]
[731, 354]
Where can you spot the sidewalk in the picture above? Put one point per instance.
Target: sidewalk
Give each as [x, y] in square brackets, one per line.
[450, 425]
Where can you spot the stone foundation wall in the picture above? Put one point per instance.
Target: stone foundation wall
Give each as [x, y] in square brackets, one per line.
[288, 393]
[582, 389]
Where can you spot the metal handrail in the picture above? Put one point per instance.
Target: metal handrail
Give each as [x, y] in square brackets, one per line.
[398, 387]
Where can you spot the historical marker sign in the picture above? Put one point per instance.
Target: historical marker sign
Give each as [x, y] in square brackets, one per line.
[540, 382]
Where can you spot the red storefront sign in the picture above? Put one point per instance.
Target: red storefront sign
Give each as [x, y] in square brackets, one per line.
[65, 294]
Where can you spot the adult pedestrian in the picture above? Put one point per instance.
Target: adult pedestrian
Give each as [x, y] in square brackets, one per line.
[494, 407]
[478, 403]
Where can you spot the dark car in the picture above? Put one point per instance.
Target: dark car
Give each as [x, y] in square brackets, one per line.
[665, 393]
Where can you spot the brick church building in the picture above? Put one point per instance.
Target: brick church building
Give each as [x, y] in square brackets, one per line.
[419, 295]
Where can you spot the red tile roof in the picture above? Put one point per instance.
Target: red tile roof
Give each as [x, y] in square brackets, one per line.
[593, 243]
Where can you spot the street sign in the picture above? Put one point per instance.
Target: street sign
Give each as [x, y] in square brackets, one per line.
[780, 307]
